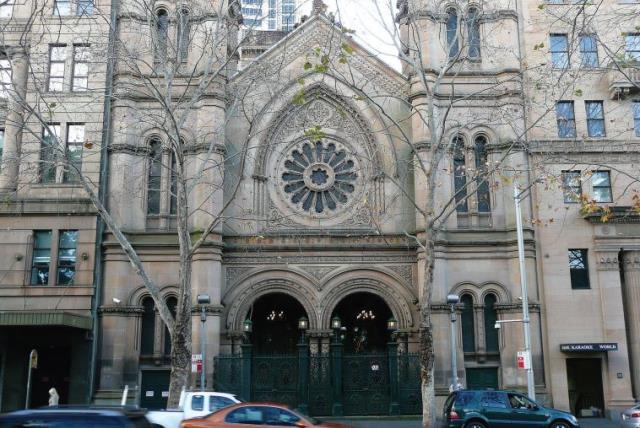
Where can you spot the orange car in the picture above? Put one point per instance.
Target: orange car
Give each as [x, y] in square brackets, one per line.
[248, 415]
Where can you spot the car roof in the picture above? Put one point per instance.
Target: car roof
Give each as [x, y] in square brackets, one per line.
[97, 410]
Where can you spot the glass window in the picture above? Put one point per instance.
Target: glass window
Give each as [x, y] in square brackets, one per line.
[67, 256]
[494, 399]
[588, 51]
[162, 31]
[172, 304]
[50, 143]
[62, 7]
[155, 178]
[75, 142]
[566, 119]
[490, 318]
[595, 118]
[6, 10]
[184, 29]
[484, 196]
[41, 257]
[57, 58]
[468, 324]
[81, 58]
[632, 46]
[85, 7]
[463, 398]
[571, 186]
[147, 333]
[5, 78]
[520, 402]
[279, 417]
[197, 402]
[245, 415]
[559, 50]
[452, 33]
[601, 182]
[579, 269]
[460, 175]
[473, 30]
[636, 117]
[216, 403]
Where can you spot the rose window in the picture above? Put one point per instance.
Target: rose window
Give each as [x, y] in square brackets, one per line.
[319, 177]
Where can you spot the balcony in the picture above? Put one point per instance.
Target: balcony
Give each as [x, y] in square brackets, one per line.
[623, 81]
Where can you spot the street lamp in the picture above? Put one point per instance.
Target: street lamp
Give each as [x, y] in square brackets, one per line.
[336, 325]
[203, 300]
[452, 301]
[247, 326]
[531, 389]
[392, 325]
[303, 326]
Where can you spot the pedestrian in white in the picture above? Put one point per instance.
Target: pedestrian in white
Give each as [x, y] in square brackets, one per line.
[54, 398]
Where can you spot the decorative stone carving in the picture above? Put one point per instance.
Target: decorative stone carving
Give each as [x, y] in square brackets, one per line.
[404, 271]
[318, 272]
[608, 262]
[234, 273]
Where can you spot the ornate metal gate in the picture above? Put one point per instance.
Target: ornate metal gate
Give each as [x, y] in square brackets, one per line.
[409, 384]
[275, 378]
[320, 385]
[365, 379]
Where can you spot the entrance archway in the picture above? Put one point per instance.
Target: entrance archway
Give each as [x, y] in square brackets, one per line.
[364, 319]
[275, 323]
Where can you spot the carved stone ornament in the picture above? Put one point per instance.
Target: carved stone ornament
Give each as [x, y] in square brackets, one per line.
[607, 262]
[404, 271]
[318, 272]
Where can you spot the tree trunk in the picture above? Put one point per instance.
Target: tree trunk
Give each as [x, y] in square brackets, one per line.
[426, 372]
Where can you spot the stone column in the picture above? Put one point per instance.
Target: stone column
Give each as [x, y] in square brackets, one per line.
[14, 121]
[619, 389]
[632, 303]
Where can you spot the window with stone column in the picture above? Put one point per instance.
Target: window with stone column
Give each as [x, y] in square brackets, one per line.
[472, 182]
[161, 186]
[480, 338]
[155, 339]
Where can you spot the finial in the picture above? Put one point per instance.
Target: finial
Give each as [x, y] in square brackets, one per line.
[318, 7]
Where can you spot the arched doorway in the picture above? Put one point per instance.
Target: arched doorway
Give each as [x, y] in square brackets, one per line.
[364, 319]
[275, 323]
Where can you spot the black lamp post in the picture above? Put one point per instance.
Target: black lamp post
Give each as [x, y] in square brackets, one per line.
[303, 366]
[392, 350]
[336, 326]
[303, 326]
[336, 367]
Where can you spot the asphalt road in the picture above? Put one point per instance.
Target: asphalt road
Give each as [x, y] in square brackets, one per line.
[413, 423]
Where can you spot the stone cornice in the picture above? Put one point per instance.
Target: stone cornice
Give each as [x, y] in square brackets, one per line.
[209, 309]
[494, 15]
[117, 310]
[513, 307]
[130, 149]
[199, 148]
[599, 146]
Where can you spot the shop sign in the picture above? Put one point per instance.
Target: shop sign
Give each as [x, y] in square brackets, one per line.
[588, 347]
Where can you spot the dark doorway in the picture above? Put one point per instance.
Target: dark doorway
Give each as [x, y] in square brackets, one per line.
[54, 363]
[364, 319]
[275, 323]
[154, 389]
[584, 376]
[482, 378]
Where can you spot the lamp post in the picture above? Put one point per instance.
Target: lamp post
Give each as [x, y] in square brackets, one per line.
[452, 301]
[392, 350]
[531, 389]
[203, 299]
[303, 366]
[336, 367]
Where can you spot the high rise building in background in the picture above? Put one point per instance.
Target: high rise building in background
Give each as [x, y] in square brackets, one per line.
[270, 15]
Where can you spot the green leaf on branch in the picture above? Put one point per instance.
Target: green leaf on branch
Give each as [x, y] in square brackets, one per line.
[298, 98]
[315, 134]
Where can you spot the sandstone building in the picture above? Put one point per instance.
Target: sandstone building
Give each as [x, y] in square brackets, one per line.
[314, 171]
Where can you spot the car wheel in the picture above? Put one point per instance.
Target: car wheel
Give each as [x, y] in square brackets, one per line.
[559, 424]
[475, 424]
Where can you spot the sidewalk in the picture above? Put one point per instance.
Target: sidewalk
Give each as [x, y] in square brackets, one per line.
[415, 423]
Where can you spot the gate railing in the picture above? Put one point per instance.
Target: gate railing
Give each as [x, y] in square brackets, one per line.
[325, 384]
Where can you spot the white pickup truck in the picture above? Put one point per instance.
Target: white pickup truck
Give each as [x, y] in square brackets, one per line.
[192, 405]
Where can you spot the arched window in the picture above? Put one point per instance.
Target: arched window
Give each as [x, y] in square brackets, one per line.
[473, 30]
[172, 303]
[173, 187]
[483, 193]
[468, 324]
[453, 44]
[147, 332]
[162, 32]
[460, 175]
[490, 318]
[154, 182]
[184, 29]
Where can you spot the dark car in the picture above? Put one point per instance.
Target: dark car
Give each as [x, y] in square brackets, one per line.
[497, 409]
[60, 417]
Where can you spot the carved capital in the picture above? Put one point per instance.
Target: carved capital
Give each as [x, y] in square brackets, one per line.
[608, 261]
[631, 261]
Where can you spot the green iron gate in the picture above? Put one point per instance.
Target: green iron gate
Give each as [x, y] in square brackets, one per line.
[365, 383]
[325, 384]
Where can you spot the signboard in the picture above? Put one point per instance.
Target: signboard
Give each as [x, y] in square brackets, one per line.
[523, 360]
[588, 347]
[196, 363]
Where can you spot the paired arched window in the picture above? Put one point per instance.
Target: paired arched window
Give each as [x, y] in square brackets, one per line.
[472, 23]
[151, 319]
[471, 166]
[489, 318]
[161, 180]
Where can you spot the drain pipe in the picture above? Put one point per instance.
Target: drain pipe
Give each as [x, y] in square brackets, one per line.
[102, 194]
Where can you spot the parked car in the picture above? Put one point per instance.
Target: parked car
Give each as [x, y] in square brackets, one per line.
[192, 405]
[630, 418]
[490, 408]
[254, 414]
[77, 417]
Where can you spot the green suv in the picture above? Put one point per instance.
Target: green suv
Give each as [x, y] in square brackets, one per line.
[497, 409]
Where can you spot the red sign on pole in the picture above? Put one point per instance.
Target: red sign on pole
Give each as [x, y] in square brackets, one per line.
[196, 363]
[523, 361]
